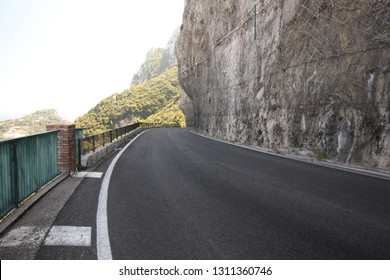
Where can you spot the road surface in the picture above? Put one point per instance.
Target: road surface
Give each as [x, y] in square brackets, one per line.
[176, 195]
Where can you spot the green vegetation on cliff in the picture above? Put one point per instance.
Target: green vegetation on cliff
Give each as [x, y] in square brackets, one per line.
[171, 113]
[30, 124]
[154, 101]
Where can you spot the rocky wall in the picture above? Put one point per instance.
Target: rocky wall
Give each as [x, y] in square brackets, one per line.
[297, 75]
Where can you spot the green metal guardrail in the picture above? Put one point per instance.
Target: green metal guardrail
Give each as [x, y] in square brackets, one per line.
[26, 164]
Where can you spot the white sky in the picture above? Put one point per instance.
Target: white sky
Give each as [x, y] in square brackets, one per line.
[69, 54]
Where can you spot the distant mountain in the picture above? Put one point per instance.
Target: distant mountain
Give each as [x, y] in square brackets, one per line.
[152, 97]
[157, 61]
[154, 100]
[30, 124]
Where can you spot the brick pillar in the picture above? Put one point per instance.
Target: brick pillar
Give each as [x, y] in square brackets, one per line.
[66, 146]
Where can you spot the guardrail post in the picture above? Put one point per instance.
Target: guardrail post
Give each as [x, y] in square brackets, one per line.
[79, 144]
[80, 149]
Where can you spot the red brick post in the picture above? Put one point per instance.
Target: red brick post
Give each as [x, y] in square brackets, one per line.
[66, 146]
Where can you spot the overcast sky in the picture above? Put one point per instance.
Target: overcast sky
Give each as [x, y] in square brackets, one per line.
[69, 54]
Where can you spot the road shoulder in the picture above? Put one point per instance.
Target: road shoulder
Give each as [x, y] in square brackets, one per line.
[381, 174]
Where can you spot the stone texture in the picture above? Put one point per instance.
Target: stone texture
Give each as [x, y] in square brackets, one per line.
[316, 77]
[187, 107]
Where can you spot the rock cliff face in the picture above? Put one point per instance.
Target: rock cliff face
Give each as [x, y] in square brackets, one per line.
[299, 75]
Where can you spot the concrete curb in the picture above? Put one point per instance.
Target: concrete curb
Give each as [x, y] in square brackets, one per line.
[15, 214]
[352, 169]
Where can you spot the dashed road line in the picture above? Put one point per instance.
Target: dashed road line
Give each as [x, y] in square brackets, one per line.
[68, 236]
[31, 236]
[24, 236]
[89, 174]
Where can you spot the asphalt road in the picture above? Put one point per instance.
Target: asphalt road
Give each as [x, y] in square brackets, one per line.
[176, 195]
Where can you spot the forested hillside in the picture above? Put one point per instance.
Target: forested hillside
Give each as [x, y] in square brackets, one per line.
[153, 100]
[30, 124]
[153, 95]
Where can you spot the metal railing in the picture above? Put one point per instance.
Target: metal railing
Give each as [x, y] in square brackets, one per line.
[92, 143]
[26, 164]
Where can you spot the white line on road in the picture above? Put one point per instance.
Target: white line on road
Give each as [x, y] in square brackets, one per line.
[89, 174]
[102, 236]
[24, 236]
[68, 236]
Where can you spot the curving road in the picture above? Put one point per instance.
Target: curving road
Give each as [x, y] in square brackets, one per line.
[176, 195]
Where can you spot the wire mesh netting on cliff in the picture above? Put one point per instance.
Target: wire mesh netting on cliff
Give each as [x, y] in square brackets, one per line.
[319, 33]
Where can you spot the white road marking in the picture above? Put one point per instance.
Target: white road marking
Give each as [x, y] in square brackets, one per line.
[102, 236]
[68, 236]
[89, 174]
[22, 236]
